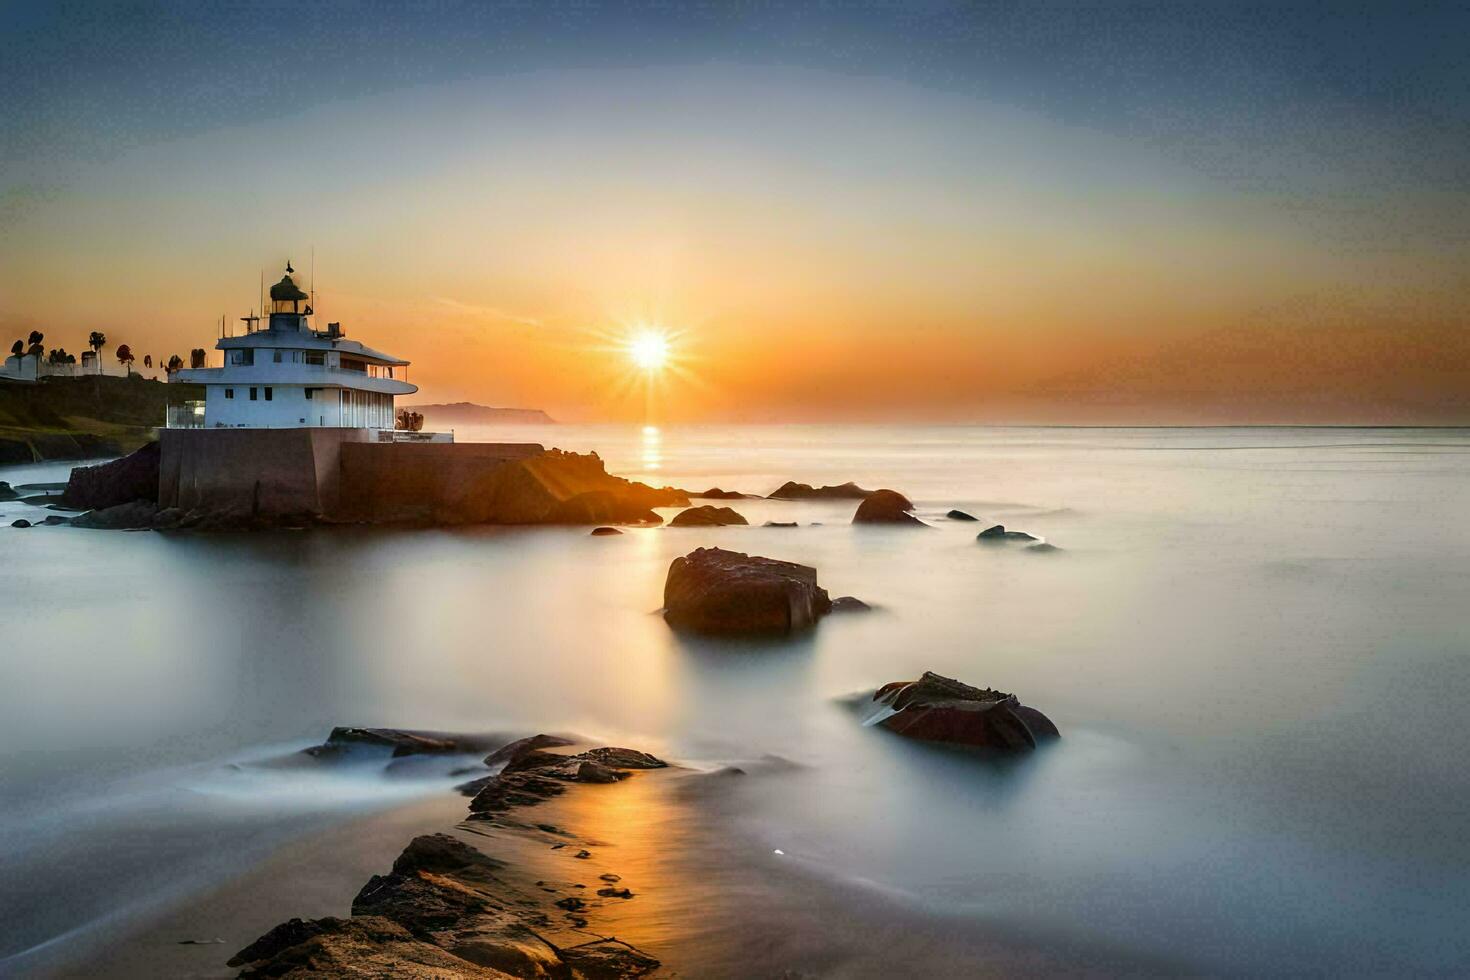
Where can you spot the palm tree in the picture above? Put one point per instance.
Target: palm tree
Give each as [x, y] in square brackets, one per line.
[196, 358]
[124, 356]
[97, 341]
[36, 350]
[18, 348]
[175, 363]
[147, 360]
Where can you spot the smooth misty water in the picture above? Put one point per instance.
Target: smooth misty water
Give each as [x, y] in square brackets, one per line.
[1254, 642]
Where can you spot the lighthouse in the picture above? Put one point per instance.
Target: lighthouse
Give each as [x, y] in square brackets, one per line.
[287, 374]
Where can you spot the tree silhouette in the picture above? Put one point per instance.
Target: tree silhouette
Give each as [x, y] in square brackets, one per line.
[35, 338]
[97, 341]
[147, 360]
[196, 358]
[175, 363]
[18, 348]
[124, 357]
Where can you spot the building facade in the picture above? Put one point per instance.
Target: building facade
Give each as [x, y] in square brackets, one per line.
[289, 375]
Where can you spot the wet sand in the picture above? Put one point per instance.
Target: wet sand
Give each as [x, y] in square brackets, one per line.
[708, 901]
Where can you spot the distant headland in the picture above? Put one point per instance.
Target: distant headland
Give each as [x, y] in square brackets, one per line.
[468, 413]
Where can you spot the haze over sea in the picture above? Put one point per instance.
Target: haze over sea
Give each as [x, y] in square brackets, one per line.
[1253, 641]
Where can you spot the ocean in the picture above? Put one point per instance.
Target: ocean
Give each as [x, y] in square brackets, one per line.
[1255, 641]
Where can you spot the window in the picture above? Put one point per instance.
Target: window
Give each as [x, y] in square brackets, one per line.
[278, 361]
[319, 358]
[252, 394]
[229, 392]
[242, 357]
[268, 394]
[309, 393]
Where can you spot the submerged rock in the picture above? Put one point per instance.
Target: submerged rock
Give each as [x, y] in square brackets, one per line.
[711, 590]
[707, 516]
[136, 515]
[791, 490]
[134, 477]
[940, 709]
[779, 524]
[959, 515]
[7, 492]
[1042, 549]
[997, 534]
[20, 522]
[400, 742]
[850, 603]
[604, 531]
[886, 507]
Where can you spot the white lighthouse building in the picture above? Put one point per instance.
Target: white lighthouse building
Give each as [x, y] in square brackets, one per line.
[289, 375]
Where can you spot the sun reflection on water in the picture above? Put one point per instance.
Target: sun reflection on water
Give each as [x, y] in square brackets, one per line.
[652, 454]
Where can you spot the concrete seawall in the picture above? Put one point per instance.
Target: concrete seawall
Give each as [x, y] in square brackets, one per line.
[348, 475]
[272, 472]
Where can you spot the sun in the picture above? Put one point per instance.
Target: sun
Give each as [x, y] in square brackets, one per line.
[649, 350]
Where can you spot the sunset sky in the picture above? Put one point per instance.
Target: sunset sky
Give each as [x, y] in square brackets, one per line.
[1085, 212]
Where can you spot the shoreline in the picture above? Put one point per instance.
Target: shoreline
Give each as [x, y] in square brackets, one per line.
[707, 898]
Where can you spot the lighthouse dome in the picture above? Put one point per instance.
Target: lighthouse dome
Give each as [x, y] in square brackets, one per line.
[287, 290]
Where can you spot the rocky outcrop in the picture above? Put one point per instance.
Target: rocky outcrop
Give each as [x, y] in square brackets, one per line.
[7, 492]
[959, 515]
[849, 603]
[122, 481]
[604, 532]
[997, 534]
[707, 516]
[886, 507]
[1042, 549]
[20, 523]
[448, 910]
[715, 493]
[940, 709]
[531, 775]
[400, 742]
[711, 590]
[792, 490]
[473, 483]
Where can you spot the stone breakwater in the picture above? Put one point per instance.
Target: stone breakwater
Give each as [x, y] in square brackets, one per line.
[208, 479]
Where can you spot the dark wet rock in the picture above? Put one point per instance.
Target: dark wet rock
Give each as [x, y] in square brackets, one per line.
[620, 758]
[779, 524]
[596, 772]
[850, 603]
[290, 933]
[514, 750]
[997, 534]
[611, 878]
[571, 903]
[707, 516]
[134, 477]
[401, 742]
[608, 959]
[584, 855]
[711, 590]
[940, 709]
[1042, 549]
[959, 515]
[20, 522]
[137, 515]
[791, 490]
[55, 520]
[715, 493]
[532, 776]
[614, 893]
[604, 531]
[7, 492]
[886, 507]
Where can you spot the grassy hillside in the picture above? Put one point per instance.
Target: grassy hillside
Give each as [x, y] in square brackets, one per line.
[77, 418]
